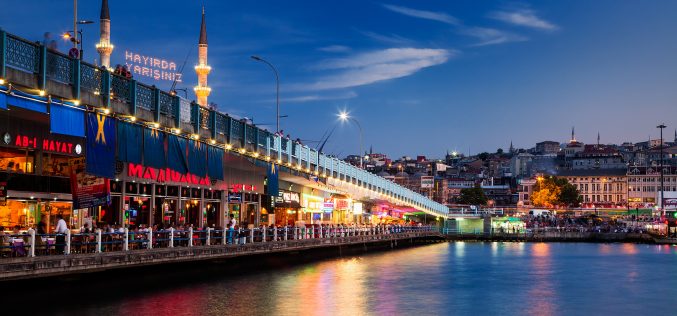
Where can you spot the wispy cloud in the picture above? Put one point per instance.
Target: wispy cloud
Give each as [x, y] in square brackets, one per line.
[370, 67]
[489, 36]
[318, 97]
[391, 39]
[335, 49]
[523, 17]
[422, 14]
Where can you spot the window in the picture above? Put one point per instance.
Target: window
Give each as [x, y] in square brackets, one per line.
[17, 161]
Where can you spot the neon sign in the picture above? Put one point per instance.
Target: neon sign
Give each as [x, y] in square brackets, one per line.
[47, 144]
[164, 175]
[151, 67]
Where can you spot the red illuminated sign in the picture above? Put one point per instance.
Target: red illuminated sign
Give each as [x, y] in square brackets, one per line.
[164, 175]
[47, 144]
[239, 187]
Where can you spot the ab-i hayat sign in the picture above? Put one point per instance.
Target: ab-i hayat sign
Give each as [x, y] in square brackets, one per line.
[151, 67]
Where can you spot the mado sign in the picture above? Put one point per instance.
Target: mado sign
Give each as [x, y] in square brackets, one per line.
[151, 67]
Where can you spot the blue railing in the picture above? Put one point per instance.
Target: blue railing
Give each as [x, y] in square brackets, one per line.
[100, 88]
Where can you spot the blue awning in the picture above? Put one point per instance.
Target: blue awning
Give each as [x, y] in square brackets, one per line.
[26, 104]
[3, 101]
[67, 120]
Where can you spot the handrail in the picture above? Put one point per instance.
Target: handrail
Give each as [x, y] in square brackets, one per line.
[30, 244]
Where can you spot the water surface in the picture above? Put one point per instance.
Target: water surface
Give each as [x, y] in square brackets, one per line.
[460, 278]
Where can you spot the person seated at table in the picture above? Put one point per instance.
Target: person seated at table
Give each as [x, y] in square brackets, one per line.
[4, 243]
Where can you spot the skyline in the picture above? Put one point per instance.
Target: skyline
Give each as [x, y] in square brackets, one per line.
[429, 57]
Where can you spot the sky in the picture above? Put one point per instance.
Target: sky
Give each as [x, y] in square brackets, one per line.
[421, 77]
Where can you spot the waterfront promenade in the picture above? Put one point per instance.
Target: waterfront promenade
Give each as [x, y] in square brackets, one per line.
[103, 251]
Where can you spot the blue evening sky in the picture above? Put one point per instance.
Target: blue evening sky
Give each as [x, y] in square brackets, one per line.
[422, 77]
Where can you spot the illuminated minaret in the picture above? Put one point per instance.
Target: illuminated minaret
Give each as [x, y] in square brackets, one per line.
[202, 91]
[104, 47]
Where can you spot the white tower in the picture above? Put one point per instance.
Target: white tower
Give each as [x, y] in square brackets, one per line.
[202, 91]
[104, 47]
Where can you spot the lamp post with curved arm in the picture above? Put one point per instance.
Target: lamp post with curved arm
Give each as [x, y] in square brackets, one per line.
[277, 88]
[344, 116]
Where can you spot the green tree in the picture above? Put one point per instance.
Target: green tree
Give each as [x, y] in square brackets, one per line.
[473, 196]
[483, 156]
[569, 195]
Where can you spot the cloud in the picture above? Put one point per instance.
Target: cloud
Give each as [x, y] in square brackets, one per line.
[392, 39]
[380, 65]
[489, 36]
[523, 17]
[335, 49]
[317, 97]
[421, 14]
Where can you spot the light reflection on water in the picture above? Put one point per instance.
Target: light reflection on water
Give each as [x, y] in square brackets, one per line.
[452, 278]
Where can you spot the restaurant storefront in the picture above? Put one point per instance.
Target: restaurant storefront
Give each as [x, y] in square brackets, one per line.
[287, 207]
[149, 196]
[34, 170]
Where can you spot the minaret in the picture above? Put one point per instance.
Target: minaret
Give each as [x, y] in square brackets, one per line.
[597, 139]
[202, 91]
[511, 149]
[104, 47]
[573, 135]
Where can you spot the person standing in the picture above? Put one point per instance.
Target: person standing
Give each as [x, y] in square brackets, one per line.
[231, 228]
[61, 230]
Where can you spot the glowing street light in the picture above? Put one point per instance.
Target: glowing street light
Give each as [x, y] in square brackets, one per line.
[344, 117]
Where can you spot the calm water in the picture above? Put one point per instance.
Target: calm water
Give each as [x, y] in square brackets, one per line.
[452, 278]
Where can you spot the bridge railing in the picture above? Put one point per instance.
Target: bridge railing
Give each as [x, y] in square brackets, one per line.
[33, 67]
[31, 244]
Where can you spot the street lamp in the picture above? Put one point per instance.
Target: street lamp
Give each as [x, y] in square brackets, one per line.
[661, 127]
[77, 40]
[277, 88]
[344, 116]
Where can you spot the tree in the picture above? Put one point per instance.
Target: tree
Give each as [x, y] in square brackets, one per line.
[483, 156]
[473, 196]
[499, 151]
[552, 191]
[569, 196]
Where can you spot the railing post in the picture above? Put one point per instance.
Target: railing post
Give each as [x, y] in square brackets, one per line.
[263, 234]
[76, 78]
[32, 233]
[171, 237]
[105, 87]
[42, 76]
[98, 240]
[321, 231]
[156, 102]
[132, 97]
[285, 233]
[208, 241]
[190, 236]
[150, 238]
[251, 235]
[224, 235]
[312, 232]
[68, 242]
[275, 233]
[3, 54]
[125, 245]
[296, 233]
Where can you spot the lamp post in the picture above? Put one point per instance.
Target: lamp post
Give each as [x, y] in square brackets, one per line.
[661, 127]
[344, 116]
[277, 90]
[77, 40]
